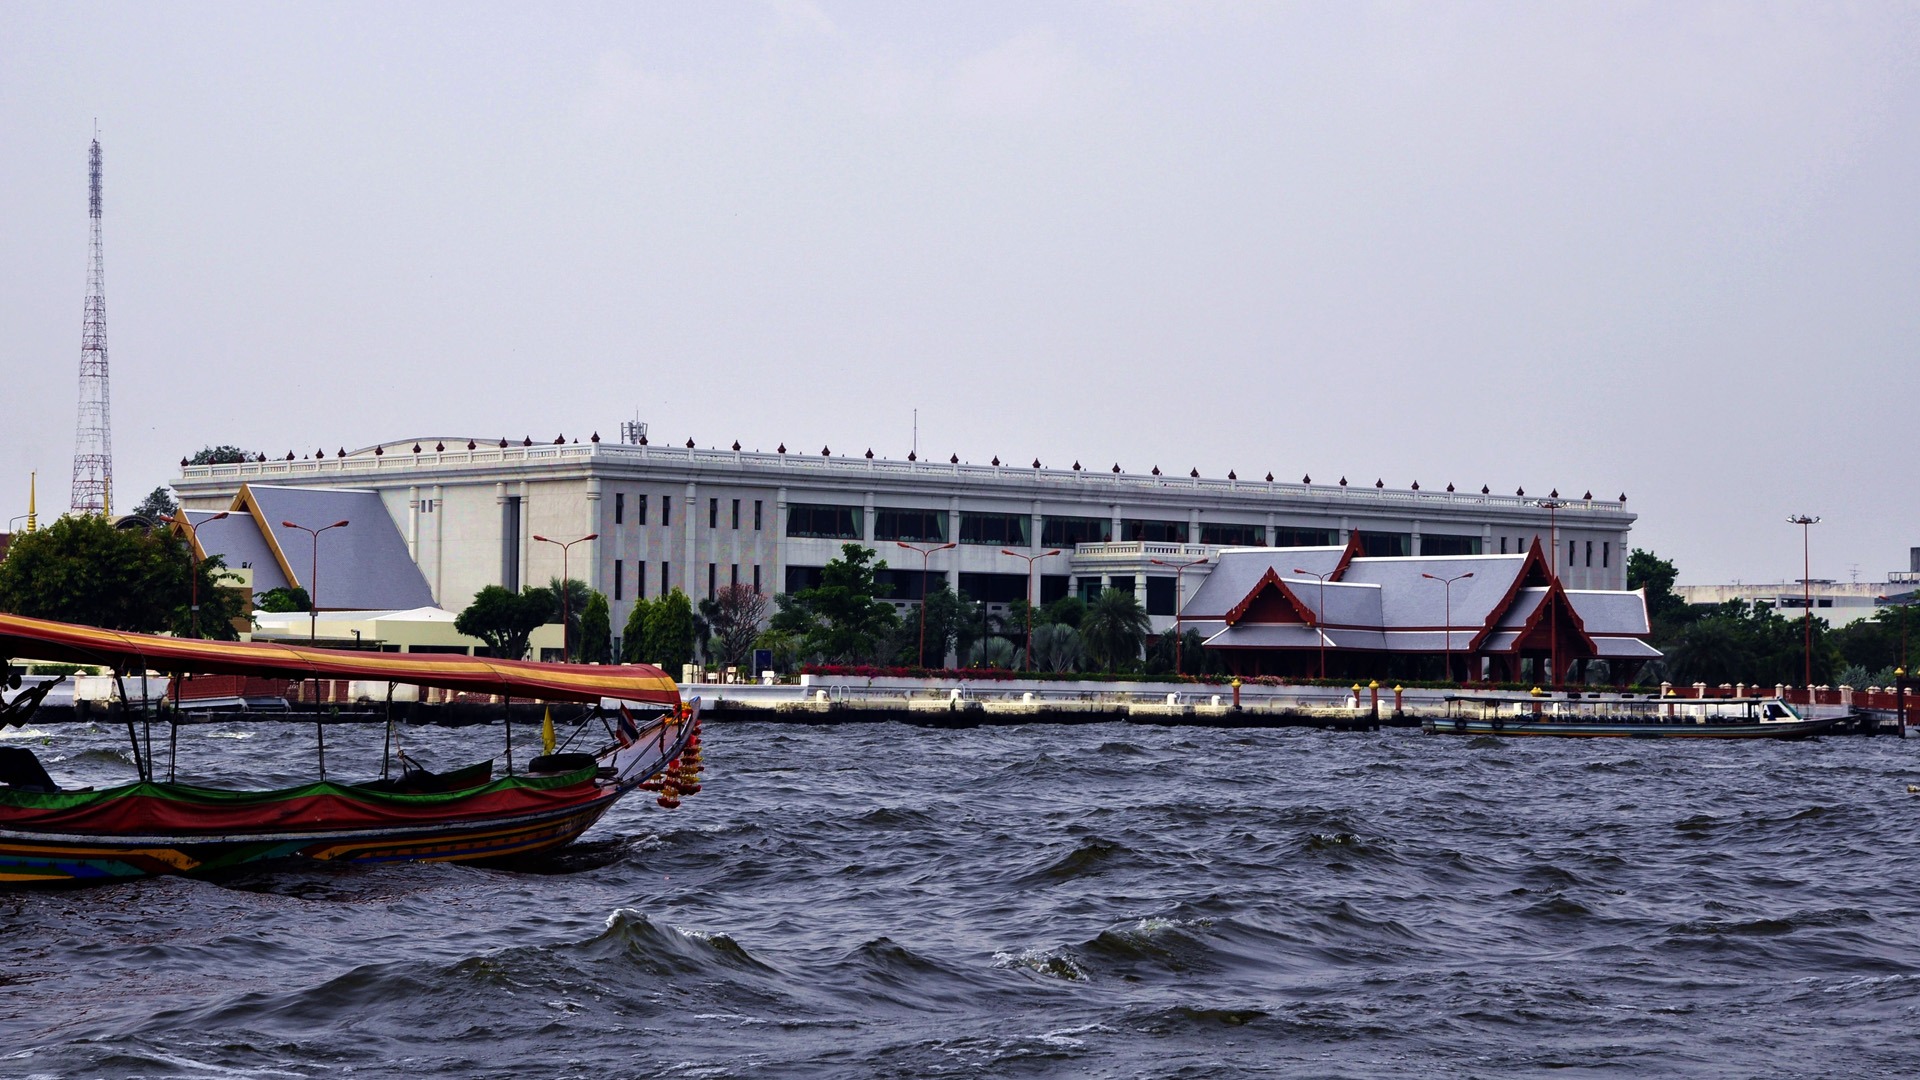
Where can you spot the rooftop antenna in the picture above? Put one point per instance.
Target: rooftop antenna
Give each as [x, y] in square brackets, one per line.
[916, 433]
[93, 436]
[633, 432]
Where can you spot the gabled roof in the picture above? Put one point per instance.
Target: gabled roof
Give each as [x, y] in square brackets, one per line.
[236, 538]
[364, 566]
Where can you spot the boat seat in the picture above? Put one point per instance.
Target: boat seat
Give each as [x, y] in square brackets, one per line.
[20, 769]
[551, 764]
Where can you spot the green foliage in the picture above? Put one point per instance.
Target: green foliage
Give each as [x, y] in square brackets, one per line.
[633, 639]
[596, 632]
[994, 652]
[953, 625]
[158, 504]
[283, 599]
[220, 455]
[81, 569]
[505, 619]
[1877, 643]
[785, 648]
[1056, 647]
[576, 593]
[1740, 642]
[1114, 628]
[1066, 611]
[733, 617]
[670, 632]
[841, 620]
[1667, 613]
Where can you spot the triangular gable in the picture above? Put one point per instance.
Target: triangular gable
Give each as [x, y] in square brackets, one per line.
[1535, 572]
[244, 502]
[1270, 601]
[1554, 605]
[1346, 557]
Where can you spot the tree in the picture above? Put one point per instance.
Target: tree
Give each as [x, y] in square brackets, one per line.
[1667, 613]
[158, 505]
[282, 599]
[1114, 628]
[575, 606]
[596, 632]
[633, 640]
[784, 646]
[505, 619]
[670, 632]
[81, 569]
[733, 618]
[220, 455]
[953, 624]
[840, 619]
[994, 652]
[1056, 647]
[1066, 611]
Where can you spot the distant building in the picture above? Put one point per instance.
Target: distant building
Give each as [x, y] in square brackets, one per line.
[1839, 603]
[467, 513]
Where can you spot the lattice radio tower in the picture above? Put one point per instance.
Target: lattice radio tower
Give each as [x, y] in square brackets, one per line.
[93, 440]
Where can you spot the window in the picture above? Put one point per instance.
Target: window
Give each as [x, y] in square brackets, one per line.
[1054, 587]
[756, 515]
[1160, 595]
[734, 576]
[1606, 554]
[1293, 536]
[1065, 532]
[619, 580]
[1503, 545]
[1449, 544]
[666, 509]
[510, 544]
[639, 510]
[619, 508]
[802, 578]
[1229, 534]
[1154, 532]
[713, 579]
[823, 522]
[666, 578]
[756, 577]
[736, 513]
[994, 588]
[1589, 553]
[639, 579]
[994, 530]
[425, 506]
[1385, 545]
[713, 513]
[1570, 544]
[923, 526]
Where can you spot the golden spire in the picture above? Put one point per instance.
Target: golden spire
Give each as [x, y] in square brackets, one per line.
[33, 482]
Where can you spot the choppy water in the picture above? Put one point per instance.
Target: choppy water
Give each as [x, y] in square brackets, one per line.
[1107, 901]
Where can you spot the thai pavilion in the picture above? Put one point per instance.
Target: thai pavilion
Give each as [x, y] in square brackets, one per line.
[1302, 611]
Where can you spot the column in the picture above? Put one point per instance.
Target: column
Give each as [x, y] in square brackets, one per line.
[1038, 526]
[689, 573]
[1272, 529]
[1416, 538]
[413, 523]
[1193, 535]
[1117, 536]
[779, 583]
[593, 577]
[439, 542]
[866, 521]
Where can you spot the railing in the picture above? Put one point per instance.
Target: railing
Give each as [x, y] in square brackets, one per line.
[398, 457]
[1143, 549]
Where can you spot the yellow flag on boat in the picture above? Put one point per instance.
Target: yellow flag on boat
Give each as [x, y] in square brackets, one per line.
[546, 731]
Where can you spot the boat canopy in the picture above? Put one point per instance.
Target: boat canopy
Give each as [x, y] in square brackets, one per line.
[42, 639]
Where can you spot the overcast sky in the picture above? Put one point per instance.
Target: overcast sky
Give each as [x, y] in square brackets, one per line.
[1668, 249]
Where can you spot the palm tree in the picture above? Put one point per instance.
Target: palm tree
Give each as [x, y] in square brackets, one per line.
[1056, 647]
[1114, 628]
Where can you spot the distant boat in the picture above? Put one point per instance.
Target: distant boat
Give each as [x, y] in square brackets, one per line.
[50, 834]
[1615, 718]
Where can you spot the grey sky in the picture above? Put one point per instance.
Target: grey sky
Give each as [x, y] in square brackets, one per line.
[1662, 248]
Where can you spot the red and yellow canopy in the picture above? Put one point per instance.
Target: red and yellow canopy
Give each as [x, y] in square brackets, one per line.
[41, 639]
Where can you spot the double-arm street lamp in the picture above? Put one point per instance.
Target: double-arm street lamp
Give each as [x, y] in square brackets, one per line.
[925, 550]
[1031, 559]
[566, 625]
[313, 628]
[1806, 523]
[1320, 616]
[179, 521]
[1448, 582]
[1180, 601]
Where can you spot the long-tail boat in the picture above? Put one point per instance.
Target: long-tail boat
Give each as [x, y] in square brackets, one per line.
[51, 834]
[1518, 714]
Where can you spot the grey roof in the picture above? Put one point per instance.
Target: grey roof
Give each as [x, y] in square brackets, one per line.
[1266, 636]
[1347, 604]
[1524, 605]
[1410, 600]
[1624, 648]
[1610, 612]
[363, 567]
[236, 539]
[1237, 570]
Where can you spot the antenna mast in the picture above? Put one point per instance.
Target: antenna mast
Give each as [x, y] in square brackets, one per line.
[93, 440]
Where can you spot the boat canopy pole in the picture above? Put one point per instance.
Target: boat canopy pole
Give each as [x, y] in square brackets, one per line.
[319, 728]
[386, 755]
[133, 736]
[146, 717]
[592, 711]
[173, 727]
[509, 702]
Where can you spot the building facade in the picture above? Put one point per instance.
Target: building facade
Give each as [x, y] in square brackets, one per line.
[471, 513]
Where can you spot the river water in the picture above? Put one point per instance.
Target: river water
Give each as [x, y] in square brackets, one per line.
[1098, 901]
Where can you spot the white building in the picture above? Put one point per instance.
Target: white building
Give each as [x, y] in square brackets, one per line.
[471, 513]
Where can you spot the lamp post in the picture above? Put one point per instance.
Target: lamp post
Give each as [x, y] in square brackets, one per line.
[566, 626]
[1320, 616]
[179, 521]
[1031, 559]
[313, 628]
[1552, 506]
[1806, 523]
[1180, 601]
[926, 551]
[1448, 582]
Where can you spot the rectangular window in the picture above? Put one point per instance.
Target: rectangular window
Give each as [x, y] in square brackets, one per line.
[756, 515]
[639, 509]
[1385, 545]
[917, 526]
[1229, 534]
[1160, 595]
[619, 580]
[1503, 545]
[666, 578]
[993, 588]
[510, 544]
[734, 575]
[802, 578]
[1294, 536]
[1065, 532]
[619, 508]
[1606, 554]
[1589, 553]
[639, 579]
[1449, 544]
[994, 530]
[1153, 532]
[713, 513]
[1054, 587]
[666, 509]
[736, 513]
[756, 577]
[823, 522]
[713, 579]
[1570, 544]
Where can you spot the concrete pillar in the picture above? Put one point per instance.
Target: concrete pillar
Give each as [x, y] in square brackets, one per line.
[689, 555]
[1346, 528]
[413, 523]
[439, 543]
[593, 576]
[1415, 549]
[866, 521]
[1193, 532]
[1117, 535]
[779, 582]
[1486, 538]
[1272, 530]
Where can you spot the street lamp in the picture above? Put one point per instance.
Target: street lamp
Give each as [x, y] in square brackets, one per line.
[1806, 523]
[1179, 576]
[179, 520]
[1448, 582]
[313, 628]
[1320, 616]
[925, 551]
[1552, 507]
[566, 626]
[1031, 559]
